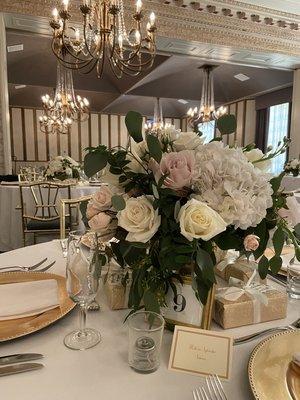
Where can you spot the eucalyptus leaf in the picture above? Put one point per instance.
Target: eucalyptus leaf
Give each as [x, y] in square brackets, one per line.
[227, 124]
[278, 240]
[263, 267]
[134, 124]
[95, 162]
[154, 147]
[118, 202]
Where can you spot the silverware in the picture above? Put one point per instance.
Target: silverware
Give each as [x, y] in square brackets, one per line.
[15, 268]
[18, 368]
[295, 325]
[25, 268]
[200, 394]
[16, 358]
[214, 390]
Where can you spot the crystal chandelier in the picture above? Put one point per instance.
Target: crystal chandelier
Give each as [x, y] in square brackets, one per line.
[103, 38]
[157, 125]
[60, 112]
[207, 111]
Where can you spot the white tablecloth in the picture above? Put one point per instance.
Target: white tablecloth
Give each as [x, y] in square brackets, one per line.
[103, 372]
[10, 218]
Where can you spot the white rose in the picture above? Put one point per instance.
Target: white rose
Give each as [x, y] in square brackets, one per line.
[188, 141]
[110, 178]
[256, 154]
[139, 219]
[171, 132]
[198, 221]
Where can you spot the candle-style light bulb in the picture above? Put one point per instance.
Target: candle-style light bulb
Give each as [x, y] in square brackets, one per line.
[77, 35]
[55, 14]
[152, 18]
[138, 6]
[120, 40]
[66, 4]
[137, 37]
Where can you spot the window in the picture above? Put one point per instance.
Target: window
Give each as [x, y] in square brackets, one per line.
[278, 128]
[208, 130]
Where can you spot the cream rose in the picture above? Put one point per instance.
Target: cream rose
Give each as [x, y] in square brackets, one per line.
[188, 141]
[139, 219]
[104, 225]
[257, 154]
[199, 221]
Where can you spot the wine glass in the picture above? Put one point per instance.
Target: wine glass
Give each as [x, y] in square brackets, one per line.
[83, 273]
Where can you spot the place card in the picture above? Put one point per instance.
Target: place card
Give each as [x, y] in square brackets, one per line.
[201, 352]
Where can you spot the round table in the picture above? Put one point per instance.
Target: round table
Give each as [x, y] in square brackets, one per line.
[10, 217]
[102, 372]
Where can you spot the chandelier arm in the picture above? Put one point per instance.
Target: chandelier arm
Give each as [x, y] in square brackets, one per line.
[128, 59]
[133, 67]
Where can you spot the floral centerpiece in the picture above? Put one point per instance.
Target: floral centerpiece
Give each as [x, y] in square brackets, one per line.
[61, 168]
[171, 200]
[292, 167]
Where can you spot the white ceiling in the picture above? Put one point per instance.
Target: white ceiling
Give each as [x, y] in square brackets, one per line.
[289, 6]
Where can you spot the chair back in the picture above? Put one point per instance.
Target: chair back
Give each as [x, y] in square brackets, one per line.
[44, 199]
[71, 204]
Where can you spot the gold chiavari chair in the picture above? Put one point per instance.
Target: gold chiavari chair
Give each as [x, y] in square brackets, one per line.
[73, 206]
[45, 218]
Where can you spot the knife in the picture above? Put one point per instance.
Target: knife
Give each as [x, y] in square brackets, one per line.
[18, 368]
[16, 358]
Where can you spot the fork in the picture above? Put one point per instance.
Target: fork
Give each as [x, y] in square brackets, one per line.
[214, 389]
[27, 268]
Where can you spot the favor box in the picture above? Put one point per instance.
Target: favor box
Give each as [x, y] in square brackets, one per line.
[248, 311]
[241, 270]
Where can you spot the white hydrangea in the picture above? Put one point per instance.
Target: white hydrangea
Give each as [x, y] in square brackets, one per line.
[231, 185]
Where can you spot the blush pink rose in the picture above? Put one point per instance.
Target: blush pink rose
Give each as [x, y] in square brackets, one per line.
[251, 242]
[180, 168]
[91, 210]
[104, 225]
[101, 200]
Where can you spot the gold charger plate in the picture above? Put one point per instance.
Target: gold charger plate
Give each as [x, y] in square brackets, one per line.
[268, 366]
[16, 328]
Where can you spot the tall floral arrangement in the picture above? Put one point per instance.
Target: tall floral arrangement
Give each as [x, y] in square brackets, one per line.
[171, 200]
[61, 168]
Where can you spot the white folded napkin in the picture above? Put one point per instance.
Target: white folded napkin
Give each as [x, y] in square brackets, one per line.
[24, 299]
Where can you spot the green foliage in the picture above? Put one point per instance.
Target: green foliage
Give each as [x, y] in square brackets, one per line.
[263, 267]
[278, 240]
[134, 124]
[83, 207]
[118, 202]
[226, 124]
[95, 160]
[154, 147]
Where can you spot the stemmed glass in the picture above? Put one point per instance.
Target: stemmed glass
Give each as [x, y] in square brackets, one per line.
[83, 273]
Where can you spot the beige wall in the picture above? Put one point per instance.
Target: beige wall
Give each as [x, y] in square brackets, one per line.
[29, 144]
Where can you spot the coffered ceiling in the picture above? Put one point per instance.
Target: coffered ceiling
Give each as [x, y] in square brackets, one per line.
[32, 73]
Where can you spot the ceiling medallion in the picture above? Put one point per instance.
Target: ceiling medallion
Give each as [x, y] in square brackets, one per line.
[207, 111]
[60, 112]
[103, 38]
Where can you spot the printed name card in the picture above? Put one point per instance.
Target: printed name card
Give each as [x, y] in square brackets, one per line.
[200, 352]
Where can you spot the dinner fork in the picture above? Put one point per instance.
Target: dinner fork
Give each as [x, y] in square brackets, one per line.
[27, 268]
[215, 388]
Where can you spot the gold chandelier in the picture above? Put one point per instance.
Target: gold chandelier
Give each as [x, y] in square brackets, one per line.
[60, 112]
[103, 38]
[207, 111]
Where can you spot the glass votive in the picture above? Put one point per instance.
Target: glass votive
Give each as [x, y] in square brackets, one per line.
[293, 280]
[145, 335]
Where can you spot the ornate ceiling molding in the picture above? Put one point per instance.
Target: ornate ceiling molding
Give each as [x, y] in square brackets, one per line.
[203, 22]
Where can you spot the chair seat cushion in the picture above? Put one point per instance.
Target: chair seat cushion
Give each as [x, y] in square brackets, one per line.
[40, 225]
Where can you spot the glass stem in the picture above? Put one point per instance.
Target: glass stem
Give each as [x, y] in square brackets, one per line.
[82, 318]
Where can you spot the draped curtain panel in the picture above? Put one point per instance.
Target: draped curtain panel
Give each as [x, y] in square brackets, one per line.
[262, 122]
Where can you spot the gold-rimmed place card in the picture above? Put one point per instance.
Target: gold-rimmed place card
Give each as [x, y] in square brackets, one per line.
[201, 352]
